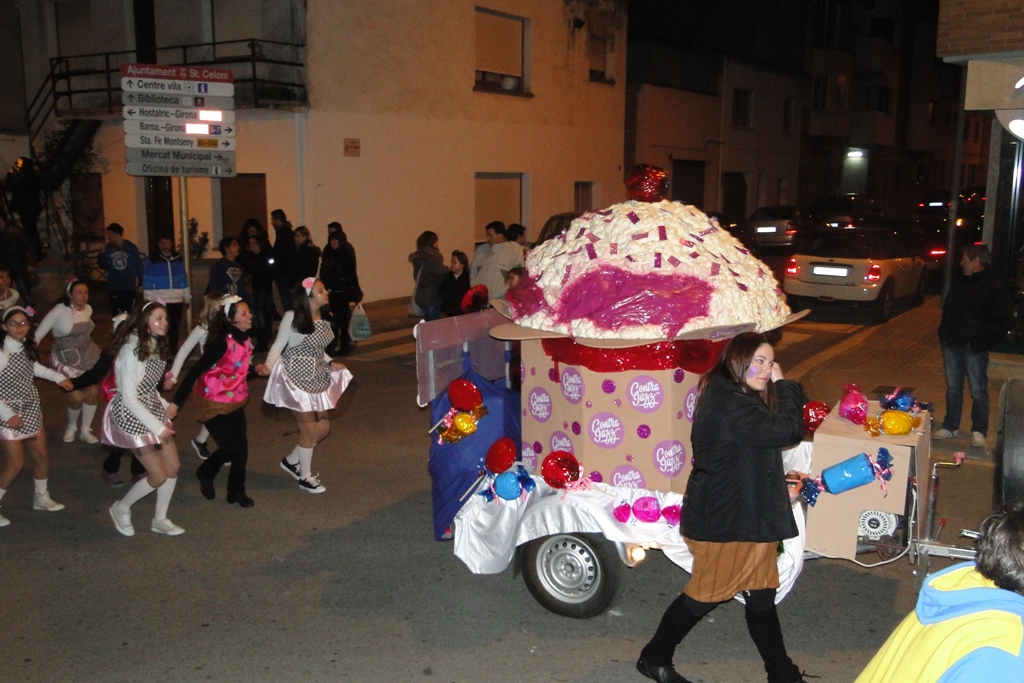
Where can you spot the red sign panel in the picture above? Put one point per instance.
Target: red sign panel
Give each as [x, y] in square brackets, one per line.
[209, 74]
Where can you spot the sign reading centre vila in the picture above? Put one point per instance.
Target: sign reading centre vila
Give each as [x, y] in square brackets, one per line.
[179, 120]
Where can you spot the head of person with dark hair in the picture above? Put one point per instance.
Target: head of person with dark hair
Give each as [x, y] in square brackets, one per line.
[148, 322]
[515, 233]
[495, 231]
[514, 275]
[308, 296]
[115, 234]
[1000, 548]
[975, 258]
[231, 312]
[427, 238]
[335, 226]
[229, 248]
[76, 294]
[164, 249]
[17, 325]
[252, 226]
[459, 262]
[278, 217]
[301, 235]
[746, 362]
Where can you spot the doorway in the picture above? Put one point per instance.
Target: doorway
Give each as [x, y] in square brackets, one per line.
[688, 182]
[242, 197]
[734, 197]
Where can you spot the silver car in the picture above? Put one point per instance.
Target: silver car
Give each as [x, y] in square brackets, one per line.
[775, 226]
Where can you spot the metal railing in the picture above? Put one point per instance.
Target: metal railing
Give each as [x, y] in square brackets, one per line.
[267, 73]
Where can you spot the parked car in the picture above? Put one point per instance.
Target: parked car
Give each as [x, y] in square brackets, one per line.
[776, 226]
[845, 211]
[861, 267]
[972, 203]
[555, 226]
[929, 233]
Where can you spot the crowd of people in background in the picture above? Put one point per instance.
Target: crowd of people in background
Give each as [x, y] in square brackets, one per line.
[123, 380]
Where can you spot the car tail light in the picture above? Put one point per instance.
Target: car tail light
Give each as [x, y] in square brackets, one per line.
[791, 267]
[937, 252]
[790, 230]
[874, 273]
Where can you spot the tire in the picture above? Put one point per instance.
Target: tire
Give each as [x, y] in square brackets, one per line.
[883, 304]
[918, 297]
[573, 575]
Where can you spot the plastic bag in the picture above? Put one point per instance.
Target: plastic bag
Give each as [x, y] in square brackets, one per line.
[359, 325]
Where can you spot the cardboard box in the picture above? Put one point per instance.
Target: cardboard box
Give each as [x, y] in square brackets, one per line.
[628, 429]
[833, 523]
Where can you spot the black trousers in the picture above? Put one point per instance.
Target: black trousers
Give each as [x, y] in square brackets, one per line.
[174, 312]
[342, 315]
[230, 433]
[113, 462]
[122, 301]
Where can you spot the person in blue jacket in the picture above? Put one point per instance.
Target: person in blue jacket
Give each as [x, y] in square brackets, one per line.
[165, 279]
[968, 625]
[123, 263]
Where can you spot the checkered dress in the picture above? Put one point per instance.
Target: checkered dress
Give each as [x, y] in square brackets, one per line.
[304, 363]
[75, 352]
[19, 392]
[123, 418]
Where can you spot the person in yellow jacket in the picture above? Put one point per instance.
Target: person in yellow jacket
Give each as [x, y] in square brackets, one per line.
[968, 625]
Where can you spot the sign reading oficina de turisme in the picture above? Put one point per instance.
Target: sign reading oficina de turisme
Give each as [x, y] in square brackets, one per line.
[178, 108]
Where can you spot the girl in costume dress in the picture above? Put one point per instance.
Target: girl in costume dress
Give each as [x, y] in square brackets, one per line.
[21, 419]
[737, 506]
[304, 379]
[138, 419]
[74, 352]
[197, 337]
[220, 381]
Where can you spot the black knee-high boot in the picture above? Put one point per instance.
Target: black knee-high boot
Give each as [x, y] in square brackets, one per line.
[766, 632]
[681, 616]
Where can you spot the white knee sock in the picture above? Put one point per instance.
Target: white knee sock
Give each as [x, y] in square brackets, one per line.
[88, 412]
[293, 457]
[203, 435]
[305, 461]
[2, 492]
[140, 490]
[40, 486]
[163, 498]
[73, 414]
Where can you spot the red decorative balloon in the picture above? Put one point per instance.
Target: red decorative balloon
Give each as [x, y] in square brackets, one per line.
[814, 413]
[464, 395]
[501, 455]
[475, 299]
[647, 183]
[560, 468]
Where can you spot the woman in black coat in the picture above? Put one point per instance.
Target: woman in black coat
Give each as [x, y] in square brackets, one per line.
[737, 508]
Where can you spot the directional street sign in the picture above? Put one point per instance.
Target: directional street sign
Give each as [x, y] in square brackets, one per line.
[161, 141]
[165, 168]
[177, 114]
[162, 100]
[190, 156]
[155, 85]
[178, 120]
[175, 128]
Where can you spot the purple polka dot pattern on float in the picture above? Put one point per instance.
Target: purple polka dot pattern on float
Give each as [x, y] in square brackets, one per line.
[577, 429]
[533, 371]
[552, 375]
[608, 386]
[538, 447]
[529, 458]
[679, 375]
[596, 477]
[643, 431]
[589, 404]
[618, 403]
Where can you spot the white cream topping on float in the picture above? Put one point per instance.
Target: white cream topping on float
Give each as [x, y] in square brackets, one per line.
[664, 241]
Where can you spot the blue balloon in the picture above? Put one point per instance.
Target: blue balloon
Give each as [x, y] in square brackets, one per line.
[506, 485]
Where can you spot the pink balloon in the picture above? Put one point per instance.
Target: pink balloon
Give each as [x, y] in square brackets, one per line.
[622, 512]
[647, 509]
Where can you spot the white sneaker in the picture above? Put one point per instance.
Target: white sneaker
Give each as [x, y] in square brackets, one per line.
[4, 521]
[166, 527]
[87, 436]
[311, 484]
[42, 501]
[69, 434]
[978, 439]
[944, 434]
[122, 520]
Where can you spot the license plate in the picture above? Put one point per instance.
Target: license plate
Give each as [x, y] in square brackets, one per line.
[770, 228]
[830, 271]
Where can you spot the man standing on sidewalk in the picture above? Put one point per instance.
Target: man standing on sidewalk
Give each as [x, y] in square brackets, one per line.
[975, 318]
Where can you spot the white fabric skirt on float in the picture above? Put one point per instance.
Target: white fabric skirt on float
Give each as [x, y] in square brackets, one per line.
[283, 393]
[112, 435]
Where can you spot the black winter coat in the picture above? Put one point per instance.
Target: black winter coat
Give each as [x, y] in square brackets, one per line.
[977, 312]
[737, 488]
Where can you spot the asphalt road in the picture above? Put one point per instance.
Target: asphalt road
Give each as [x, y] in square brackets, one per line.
[350, 585]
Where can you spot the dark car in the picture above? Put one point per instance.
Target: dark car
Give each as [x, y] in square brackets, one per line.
[930, 235]
[845, 211]
[555, 226]
[776, 226]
